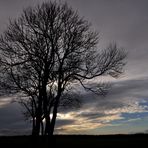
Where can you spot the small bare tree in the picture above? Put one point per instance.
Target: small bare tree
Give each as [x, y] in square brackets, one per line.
[47, 50]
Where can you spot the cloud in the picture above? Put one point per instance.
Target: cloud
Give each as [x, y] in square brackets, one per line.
[126, 102]
[61, 122]
[12, 121]
[4, 101]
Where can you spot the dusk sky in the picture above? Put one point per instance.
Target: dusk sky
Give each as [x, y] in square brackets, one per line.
[125, 109]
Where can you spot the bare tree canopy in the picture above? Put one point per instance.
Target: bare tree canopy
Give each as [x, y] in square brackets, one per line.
[44, 52]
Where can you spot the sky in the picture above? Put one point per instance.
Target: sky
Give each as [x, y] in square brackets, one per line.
[125, 109]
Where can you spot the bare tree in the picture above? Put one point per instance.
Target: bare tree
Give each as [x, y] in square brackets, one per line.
[45, 51]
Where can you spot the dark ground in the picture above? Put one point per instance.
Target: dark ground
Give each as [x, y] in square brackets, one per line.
[109, 141]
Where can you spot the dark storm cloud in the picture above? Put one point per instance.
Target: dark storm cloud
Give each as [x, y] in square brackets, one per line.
[124, 21]
[11, 9]
[12, 121]
[61, 122]
[90, 115]
[130, 88]
[121, 94]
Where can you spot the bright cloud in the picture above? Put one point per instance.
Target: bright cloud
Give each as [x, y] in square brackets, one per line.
[127, 97]
[4, 101]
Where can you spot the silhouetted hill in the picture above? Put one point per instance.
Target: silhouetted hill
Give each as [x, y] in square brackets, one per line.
[68, 141]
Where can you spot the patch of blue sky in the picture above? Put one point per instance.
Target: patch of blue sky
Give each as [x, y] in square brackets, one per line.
[124, 126]
[144, 103]
[130, 117]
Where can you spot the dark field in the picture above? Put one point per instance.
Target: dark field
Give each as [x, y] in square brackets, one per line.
[137, 140]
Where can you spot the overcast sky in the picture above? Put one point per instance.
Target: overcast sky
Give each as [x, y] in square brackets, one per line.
[125, 109]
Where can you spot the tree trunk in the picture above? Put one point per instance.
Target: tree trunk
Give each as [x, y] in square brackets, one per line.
[42, 128]
[36, 130]
[33, 126]
[47, 125]
[52, 125]
[37, 122]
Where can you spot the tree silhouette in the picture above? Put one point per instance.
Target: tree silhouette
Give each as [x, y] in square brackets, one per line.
[47, 50]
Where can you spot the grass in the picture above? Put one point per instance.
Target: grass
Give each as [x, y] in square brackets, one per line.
[68, 141]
